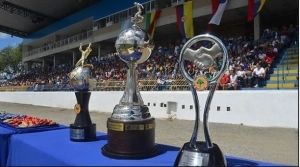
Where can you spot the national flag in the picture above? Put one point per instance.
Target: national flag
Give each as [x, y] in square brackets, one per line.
[218, 8]
[126, 24]
[184, 17]
[254, 7]
[151, 19]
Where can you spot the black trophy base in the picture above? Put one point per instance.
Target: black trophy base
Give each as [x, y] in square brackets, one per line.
[203, 156]
[82, 134]
[130, 139]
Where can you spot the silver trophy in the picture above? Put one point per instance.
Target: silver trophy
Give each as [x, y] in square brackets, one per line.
[202, 153]
[131, 129]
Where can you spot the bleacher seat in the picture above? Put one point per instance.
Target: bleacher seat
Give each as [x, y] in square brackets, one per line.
[283, 76]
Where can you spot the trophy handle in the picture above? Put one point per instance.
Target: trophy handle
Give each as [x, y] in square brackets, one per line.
[145, 55]
[188, 54]
[193, 140]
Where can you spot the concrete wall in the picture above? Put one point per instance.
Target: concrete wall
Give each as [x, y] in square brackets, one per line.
[254, 108]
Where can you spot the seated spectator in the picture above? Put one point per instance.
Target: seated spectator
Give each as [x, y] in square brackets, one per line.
[266, 64]
[233, 80]
[258, 74]
[240, 76]
[224, 81]
[261, 55]
[248, 77]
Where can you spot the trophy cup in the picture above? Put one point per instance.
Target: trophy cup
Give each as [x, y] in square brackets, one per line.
[131, 129]
[82, 130]
[202, 153]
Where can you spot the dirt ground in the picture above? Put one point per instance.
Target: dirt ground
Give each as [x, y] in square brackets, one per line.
[278, 145]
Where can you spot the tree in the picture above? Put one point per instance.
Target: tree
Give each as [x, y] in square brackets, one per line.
[11, 58]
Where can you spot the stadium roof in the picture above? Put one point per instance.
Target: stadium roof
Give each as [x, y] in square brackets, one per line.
[22, 17]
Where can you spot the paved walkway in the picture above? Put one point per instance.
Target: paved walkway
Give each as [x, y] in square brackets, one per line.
[279, 145]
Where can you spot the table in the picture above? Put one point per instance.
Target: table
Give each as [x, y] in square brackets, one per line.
[6, 132]
[54, 148]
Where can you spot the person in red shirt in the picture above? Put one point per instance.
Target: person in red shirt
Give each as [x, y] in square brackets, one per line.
[224, 82]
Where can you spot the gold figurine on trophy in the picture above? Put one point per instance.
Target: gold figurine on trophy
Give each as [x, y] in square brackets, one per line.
[84, 54]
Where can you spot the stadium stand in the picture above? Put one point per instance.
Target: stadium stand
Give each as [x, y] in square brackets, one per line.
[276, 51]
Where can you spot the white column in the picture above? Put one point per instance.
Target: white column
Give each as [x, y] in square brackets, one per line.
[74, 57]
[257, 27]
[43, 63]
[99, 51]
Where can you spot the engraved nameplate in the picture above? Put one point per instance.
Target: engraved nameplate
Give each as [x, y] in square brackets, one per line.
[189, 158]
[135, 127]
[77, 134]
[149, 126]
[115, 126]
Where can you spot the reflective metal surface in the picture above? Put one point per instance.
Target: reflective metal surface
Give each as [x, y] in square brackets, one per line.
[203, 58]
[132, 43]
[131, 129]
[134, 46]
[81, 76]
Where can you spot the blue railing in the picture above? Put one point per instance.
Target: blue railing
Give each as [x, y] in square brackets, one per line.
[60, 87]
[282, 68]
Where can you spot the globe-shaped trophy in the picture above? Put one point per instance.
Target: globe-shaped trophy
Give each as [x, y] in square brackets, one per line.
[131, 129]
[82, 130]
[202, 153]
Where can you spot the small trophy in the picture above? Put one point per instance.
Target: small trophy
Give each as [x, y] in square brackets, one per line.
[202, 153]
[82, 130]
[131, 129]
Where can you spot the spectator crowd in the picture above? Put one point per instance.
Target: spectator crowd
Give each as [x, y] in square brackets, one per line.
[250, 62]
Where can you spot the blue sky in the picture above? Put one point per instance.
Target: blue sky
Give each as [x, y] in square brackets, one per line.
[6, 40]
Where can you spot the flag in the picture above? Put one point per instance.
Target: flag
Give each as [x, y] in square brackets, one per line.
[184, 17]
[151, 19]
[254, 7]
[126, 24]
[218, 8]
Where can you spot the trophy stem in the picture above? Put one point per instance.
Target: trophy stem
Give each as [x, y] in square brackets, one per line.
[83, 130]
[206, 115]
[132, 96]
[193, 140]
[83, 118]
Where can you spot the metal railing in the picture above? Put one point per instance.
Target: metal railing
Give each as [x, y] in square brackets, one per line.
[284, 57]
[13, 88]
[110, 19]
[122, 15]
[63, 42]
[144, 85]
[126, 14]
[109, 85]
[54, 87]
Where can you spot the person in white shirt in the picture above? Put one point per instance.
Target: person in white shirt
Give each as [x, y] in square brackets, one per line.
[240, 75]
[261, 55]
[232, 79]
[258, 74]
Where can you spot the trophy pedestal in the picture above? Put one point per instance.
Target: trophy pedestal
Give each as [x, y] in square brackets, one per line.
[82, 134]
[130, 139]
[82, 130]
[202, 156]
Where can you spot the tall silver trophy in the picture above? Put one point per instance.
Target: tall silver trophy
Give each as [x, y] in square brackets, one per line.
[202, 153]
[131, 129]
